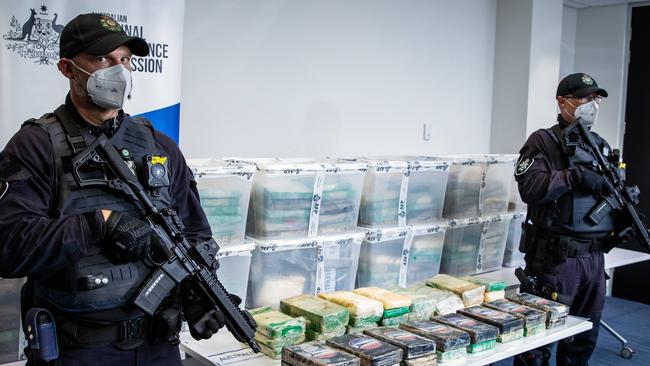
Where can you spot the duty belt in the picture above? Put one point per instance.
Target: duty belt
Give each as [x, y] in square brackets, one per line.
[124, 335]
[560, 246]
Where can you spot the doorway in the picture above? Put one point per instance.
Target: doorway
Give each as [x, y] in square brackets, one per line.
[635, 149]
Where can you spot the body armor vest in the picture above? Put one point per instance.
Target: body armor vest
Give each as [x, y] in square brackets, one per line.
[94, 283]
[575, 222]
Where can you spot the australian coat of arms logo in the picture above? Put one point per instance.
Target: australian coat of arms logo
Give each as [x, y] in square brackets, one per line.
[37, 37]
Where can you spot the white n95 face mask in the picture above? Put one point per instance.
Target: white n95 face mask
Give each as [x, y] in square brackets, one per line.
[108, 87]
[587, 113]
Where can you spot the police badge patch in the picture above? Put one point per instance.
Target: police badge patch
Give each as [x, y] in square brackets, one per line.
[4, 187]
[523, 165]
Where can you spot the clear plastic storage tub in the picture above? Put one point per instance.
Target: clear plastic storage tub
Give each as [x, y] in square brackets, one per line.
[464, 186]
[294, 198]
[234, 266]
[415, 198]
[498, 184]
[11, 339]
[381, 256]
[224, 189]
[474, 245]
[516, 203]
[424, 253]
[281, 269]
[512, 256]
[339, 256]
[289, 267]
[382, 186]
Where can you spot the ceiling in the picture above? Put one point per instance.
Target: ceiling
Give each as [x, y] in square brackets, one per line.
[589, 3]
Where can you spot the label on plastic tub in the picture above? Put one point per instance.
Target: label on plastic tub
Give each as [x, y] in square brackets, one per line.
[403, 192]
[406, 251]
[481, 194]
[481, 247]
[316, 204]
[320, 270]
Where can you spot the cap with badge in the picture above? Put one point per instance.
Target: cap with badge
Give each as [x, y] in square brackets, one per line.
[97, 34]
[579, 85]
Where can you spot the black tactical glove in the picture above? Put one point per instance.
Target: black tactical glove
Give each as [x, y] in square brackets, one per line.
[203, 318]
[593, 182]
[127, 239]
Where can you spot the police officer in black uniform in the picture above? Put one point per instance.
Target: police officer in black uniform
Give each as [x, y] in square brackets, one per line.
[83, 248]
[563, 248]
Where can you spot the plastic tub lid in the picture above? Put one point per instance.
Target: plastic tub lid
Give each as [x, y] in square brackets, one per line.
[466, 159]
[342, 238]
[501, 158]
[287, 165]
[430, 228]
[272, 245]
[417, 163]
[454, 223]
[378, 235]
[233, 250]
[336, 165]
[212, 167]
[379, 162]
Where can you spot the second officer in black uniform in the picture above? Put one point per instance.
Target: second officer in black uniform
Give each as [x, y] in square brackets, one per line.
[564, 249]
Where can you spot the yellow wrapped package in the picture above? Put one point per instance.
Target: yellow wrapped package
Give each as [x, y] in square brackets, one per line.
[390, 300]
[470, 293]
[357, 305]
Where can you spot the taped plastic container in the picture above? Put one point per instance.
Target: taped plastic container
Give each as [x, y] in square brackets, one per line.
[234, 266]
[289, 267]
[498, 184]
[294, 198]
[474, 245]
[380, 259]
[383, 199]
[224, 189]
[421, 259]
[282, 269]
[464, 186]
[421, 191]
[512, 257]
[340, 260]
[516, 203]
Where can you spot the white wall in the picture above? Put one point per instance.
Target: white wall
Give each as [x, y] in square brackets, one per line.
[545, 53]
[601, 42]
[511, 75]
[338, 77]
[527, 61]
[568, 53]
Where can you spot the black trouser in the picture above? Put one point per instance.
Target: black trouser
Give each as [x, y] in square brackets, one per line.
[161, 354]
[583, 279]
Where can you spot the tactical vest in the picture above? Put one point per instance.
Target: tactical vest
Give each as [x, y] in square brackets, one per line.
[581, 204]
[94, 283]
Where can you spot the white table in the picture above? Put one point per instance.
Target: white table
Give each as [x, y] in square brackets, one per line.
[617, 257]
[222, 349]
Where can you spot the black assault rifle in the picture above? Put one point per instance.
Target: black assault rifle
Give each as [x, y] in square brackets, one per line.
[622, 199]
[180, 259]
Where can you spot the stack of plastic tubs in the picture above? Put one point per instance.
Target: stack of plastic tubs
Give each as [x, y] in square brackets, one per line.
[476, 203]
[401, 210]
[11, 339]
[302, 218]
[224, 189]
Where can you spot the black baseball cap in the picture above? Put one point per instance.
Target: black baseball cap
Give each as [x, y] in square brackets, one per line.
[97, 34]
[579, 85]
